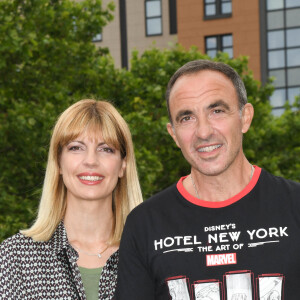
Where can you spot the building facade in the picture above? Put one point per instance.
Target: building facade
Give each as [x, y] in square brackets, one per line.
[267, 31]
[138, 25]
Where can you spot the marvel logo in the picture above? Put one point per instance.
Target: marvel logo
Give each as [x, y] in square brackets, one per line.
[220, 259]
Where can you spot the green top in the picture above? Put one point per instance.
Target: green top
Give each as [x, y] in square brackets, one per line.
[90, 279]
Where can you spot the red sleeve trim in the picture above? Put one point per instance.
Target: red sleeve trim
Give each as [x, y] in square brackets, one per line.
[224, 203]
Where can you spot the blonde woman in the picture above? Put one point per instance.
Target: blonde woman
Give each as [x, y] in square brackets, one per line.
[90, 186]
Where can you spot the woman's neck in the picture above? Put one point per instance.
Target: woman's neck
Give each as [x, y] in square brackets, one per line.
[89, 225]
[88, 221]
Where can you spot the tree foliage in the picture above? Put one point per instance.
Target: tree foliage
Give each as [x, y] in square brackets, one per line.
[46, 58]
[47, 62]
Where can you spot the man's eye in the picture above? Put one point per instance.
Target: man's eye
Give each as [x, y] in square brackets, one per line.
[218, 111]
[184, 119]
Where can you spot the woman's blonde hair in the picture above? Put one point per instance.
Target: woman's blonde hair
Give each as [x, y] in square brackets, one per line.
[87, 116]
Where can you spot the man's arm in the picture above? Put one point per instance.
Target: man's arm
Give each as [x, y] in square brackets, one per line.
[134, 280]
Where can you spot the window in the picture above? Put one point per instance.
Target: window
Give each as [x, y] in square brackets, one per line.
[153, 17]
[216, 43]
[217, 9]
[97, 37]
[283, 51]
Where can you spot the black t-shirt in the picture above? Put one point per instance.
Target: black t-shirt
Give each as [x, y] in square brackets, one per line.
[175, 246]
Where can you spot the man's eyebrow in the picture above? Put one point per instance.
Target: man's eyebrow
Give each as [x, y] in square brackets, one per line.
[219, 103]
[182, 113]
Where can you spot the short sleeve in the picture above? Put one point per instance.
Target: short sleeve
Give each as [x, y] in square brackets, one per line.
[134, 281]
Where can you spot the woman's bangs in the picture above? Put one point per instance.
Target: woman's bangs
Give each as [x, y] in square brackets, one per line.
[109, 134]
[91, 125]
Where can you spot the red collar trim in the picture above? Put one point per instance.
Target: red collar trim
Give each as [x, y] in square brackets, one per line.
[224, 203]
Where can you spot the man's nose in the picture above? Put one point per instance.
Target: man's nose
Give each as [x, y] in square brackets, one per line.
[204, 128]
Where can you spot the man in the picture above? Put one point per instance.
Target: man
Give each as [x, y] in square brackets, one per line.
[228, 230]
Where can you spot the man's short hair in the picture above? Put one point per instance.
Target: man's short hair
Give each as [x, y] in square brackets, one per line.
[196, 66]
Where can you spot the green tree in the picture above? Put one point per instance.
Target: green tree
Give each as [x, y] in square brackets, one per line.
[47, 59]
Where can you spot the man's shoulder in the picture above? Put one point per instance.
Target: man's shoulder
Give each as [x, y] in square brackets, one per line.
[278, 187]
[279, 182]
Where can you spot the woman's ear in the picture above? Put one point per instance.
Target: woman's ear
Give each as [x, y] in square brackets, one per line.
[123, 168]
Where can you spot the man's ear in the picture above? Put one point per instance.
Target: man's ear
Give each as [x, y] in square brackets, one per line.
[171, 131]
[247, 116]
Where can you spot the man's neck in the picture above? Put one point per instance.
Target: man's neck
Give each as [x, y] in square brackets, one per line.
[219, 187]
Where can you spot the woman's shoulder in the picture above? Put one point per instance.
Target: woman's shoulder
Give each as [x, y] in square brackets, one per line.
[16, 244]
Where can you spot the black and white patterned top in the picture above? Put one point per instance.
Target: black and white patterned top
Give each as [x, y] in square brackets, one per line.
[48, 270]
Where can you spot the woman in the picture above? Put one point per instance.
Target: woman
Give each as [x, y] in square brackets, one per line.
[90, 186]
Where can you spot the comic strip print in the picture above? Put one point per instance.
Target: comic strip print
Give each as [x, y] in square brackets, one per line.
[207, 290]
[237, 285]
[270, 287]
[179, 288]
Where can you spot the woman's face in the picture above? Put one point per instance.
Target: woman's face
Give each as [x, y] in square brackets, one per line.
[90, 168]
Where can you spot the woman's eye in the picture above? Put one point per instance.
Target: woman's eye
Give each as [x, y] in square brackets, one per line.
[74, 148]
[107, 150]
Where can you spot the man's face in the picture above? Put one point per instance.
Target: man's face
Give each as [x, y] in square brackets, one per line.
[208, 125]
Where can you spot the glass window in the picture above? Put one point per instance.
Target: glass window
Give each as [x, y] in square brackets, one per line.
[154, 26]
[276, 39]
[217, 8]
[226, 8]
[275, 20]
[292, 17]
[292, 3]
[293, 57]
[227, 45]
[279, 76]
[277, 112]
[274, 4]
[153, 17]
[97, 37]
[276, 59]
[211, 42]
[293, 37]
[293, 93]
[216, 43]
[278, 98]
[210, 10]
[229, 51]
[293, 76]
[227, 40]
[153, 9]
[211, 53]
[283, 49]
